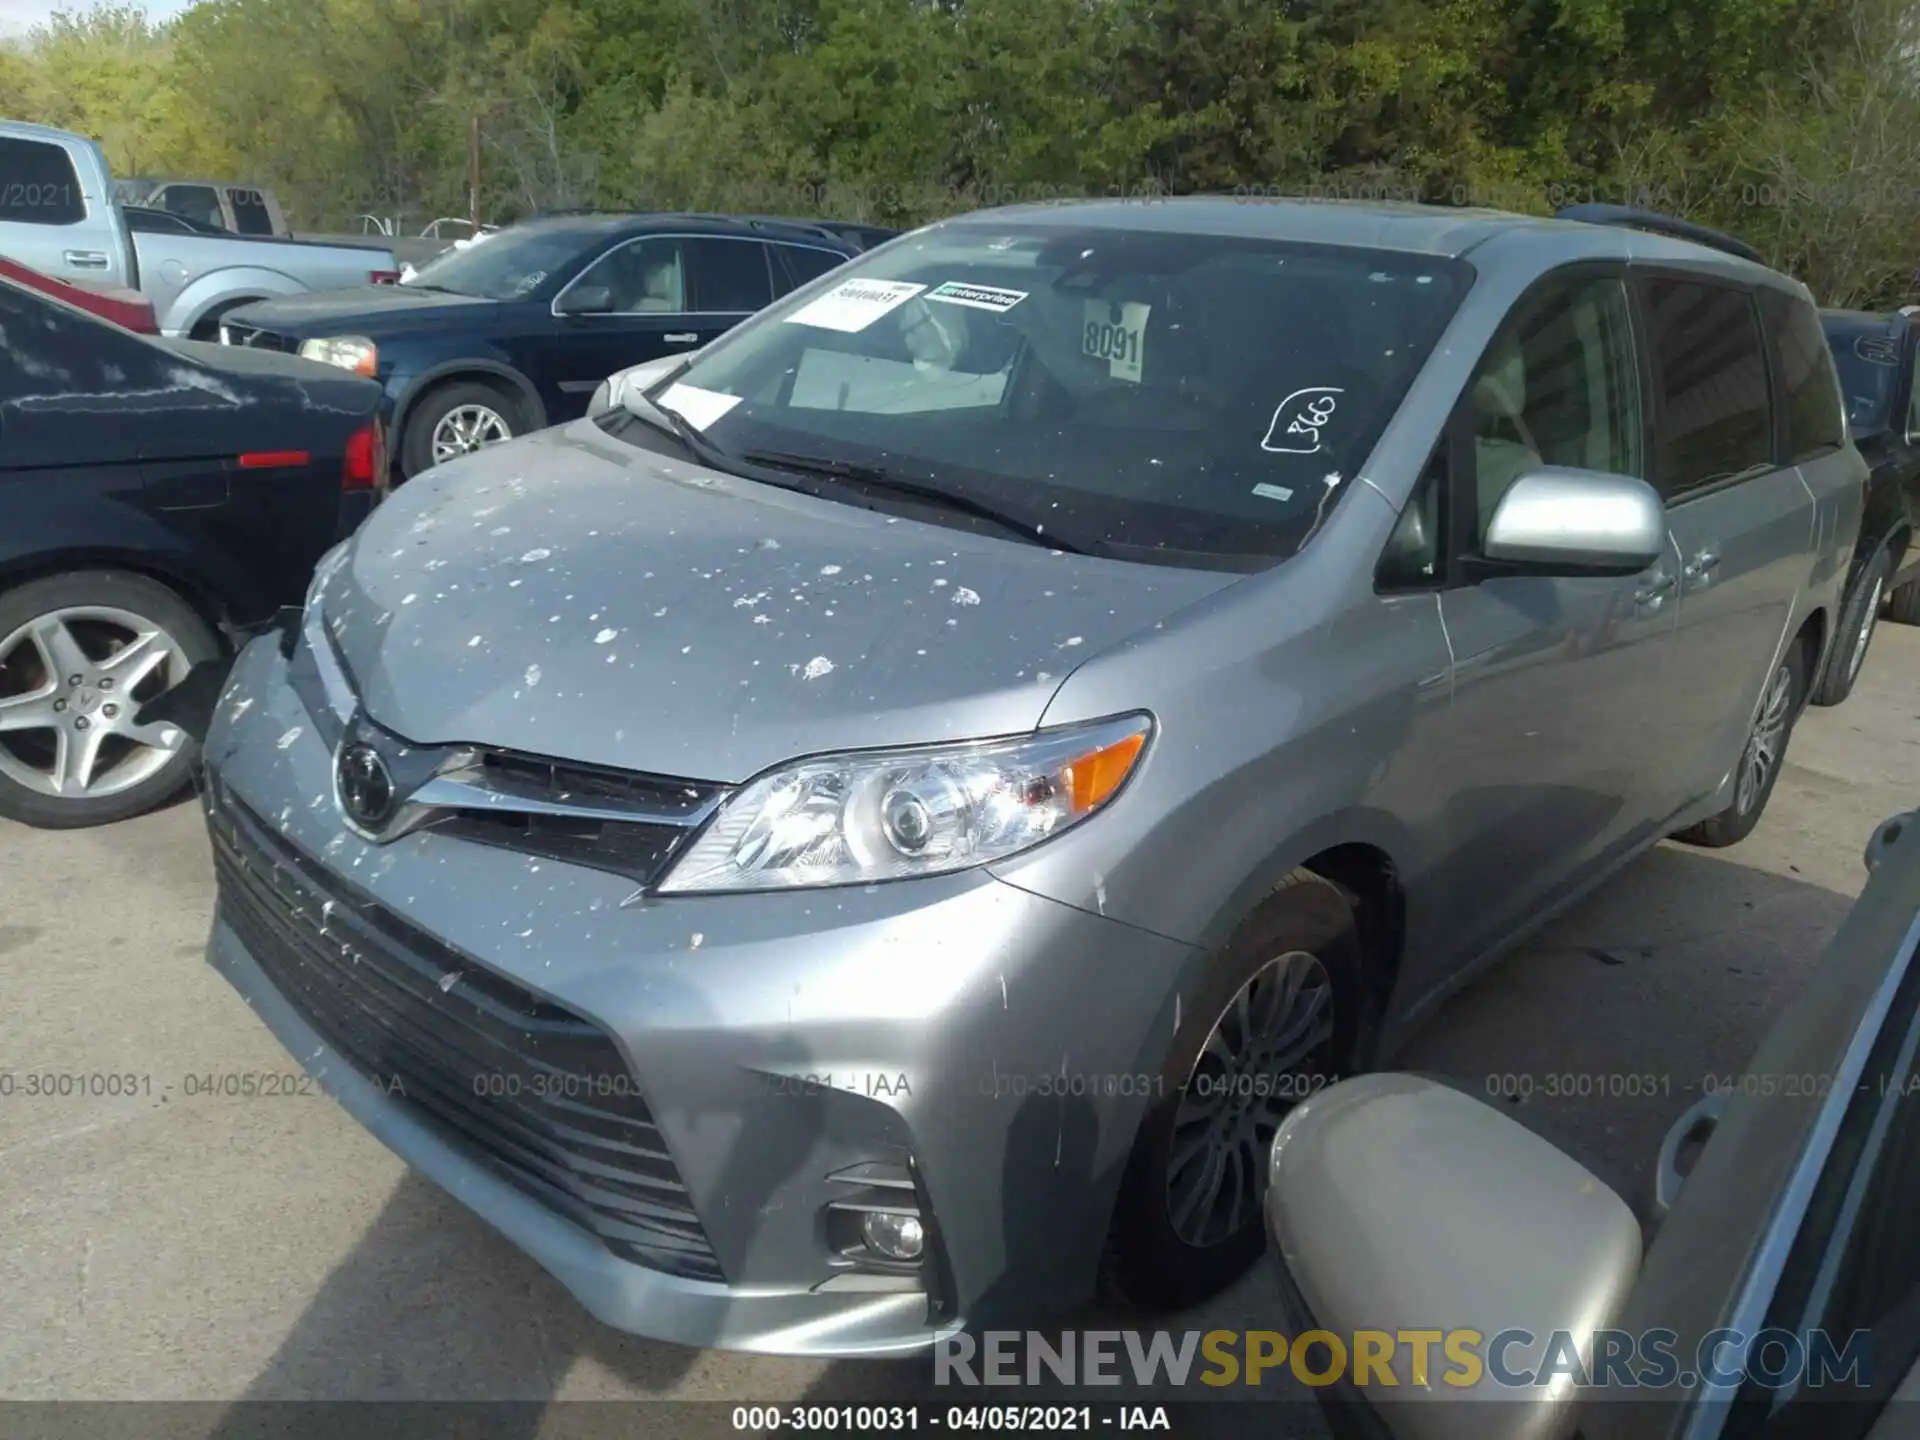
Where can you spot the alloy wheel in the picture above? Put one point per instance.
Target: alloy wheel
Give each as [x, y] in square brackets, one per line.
[71, 682]
[1768, 740]
[1277, 1029]
[467, 428]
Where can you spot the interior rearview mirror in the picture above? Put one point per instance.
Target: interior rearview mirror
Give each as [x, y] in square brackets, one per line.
[1577, 522]
[1397, 1203]
[586, 300]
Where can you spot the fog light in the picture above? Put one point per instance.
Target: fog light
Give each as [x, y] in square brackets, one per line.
[896, 1237]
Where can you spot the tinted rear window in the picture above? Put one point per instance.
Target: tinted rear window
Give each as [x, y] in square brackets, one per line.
[1803, 366]
[1869, 365]
[1715, 420]
[37, 185]
[729, 275]
[250, 212]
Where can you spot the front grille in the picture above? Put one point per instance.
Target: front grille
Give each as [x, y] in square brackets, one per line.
[254, 338]
[664, 813]
[538, 1094]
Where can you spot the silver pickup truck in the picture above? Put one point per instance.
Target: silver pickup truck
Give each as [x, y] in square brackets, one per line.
[59, 214]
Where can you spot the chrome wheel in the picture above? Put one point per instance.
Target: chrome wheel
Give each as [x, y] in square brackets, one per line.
[1871, 618]
[71, 682]
[1767, 741]
[1276, 1030]
[466, 428]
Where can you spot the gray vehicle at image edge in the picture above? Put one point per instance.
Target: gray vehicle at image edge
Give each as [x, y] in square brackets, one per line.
[870, 834]
[60, 212]
[1795, 1219]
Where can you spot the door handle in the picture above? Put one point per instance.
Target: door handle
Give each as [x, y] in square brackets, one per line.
[1654, 591]
[1703, 564]
[684, 337]
[86, 259]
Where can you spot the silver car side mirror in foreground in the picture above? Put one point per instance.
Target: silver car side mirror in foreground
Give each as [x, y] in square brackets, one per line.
[1578, 522]
[1398, 1203]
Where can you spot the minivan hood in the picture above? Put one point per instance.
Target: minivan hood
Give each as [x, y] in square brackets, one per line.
[571, 596]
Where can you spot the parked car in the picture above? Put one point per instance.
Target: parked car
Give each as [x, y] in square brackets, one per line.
[221, 204]
[156, 499]
[513, 334]
[1398, 1202]
[895, 811]
[128, 308]
[1875, 354]
[58, 214]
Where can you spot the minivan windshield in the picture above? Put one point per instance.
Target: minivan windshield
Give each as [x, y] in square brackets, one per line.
[1194, 399]
[512, 265]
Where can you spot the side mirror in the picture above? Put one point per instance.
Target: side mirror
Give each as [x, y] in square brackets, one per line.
[1578, 522]
[1400, 1204]
[586, 300]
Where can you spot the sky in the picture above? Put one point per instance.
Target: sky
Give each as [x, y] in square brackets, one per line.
[19, 16]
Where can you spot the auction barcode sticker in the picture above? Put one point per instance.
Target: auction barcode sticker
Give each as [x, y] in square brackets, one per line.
[855, 304]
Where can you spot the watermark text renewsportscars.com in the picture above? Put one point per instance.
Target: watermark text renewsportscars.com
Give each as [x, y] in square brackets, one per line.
[1377, 1360]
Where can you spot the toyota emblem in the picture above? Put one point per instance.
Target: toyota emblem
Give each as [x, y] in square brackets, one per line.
[365, 786]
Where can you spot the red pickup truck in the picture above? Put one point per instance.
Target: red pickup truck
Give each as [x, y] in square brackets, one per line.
[124, 307]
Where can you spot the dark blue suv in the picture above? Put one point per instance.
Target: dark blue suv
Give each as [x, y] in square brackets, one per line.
[516, 331]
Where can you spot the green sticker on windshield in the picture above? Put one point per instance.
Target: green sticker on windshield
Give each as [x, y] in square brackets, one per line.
[1116, 331]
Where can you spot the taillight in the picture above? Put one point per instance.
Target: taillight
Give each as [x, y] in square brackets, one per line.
[366, 462]
[384, 277]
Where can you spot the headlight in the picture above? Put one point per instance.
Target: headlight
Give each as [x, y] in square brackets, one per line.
[349, 352]
[887, 815]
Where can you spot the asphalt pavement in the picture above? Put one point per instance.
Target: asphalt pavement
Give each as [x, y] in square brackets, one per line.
[166, 1246]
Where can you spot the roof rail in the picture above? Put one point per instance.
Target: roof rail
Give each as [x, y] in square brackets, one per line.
[1628, 217]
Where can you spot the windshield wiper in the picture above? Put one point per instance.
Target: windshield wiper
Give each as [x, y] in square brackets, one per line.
[877, 477]
[671, 422]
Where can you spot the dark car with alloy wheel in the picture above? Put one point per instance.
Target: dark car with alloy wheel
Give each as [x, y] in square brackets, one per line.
[868, 833]
[515, 333]
[158, 500]
[1876, 356]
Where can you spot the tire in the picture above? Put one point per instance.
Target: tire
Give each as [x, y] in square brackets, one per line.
[1904, 606]
[1858, 618]
[1736, 822]
[417, 444]
[1156, 1259]
[132, 769]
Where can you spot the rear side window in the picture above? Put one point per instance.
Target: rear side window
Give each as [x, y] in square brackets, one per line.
[1714, 418]
[729, 275]
[250, 212]
[1803, 365]
[196, 202]
[803, 264]
[38, 185]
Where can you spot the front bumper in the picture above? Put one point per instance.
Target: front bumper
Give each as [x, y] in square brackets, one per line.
[1002, 1045]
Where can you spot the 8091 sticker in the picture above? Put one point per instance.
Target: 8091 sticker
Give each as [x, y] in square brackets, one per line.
[1116, 331]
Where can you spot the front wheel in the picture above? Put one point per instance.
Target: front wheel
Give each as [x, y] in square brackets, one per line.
[1760, 760]
[1276, 1021]
[80, 654]
[456, 420]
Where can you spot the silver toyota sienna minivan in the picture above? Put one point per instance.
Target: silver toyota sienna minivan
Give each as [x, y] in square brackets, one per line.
[867, 833]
